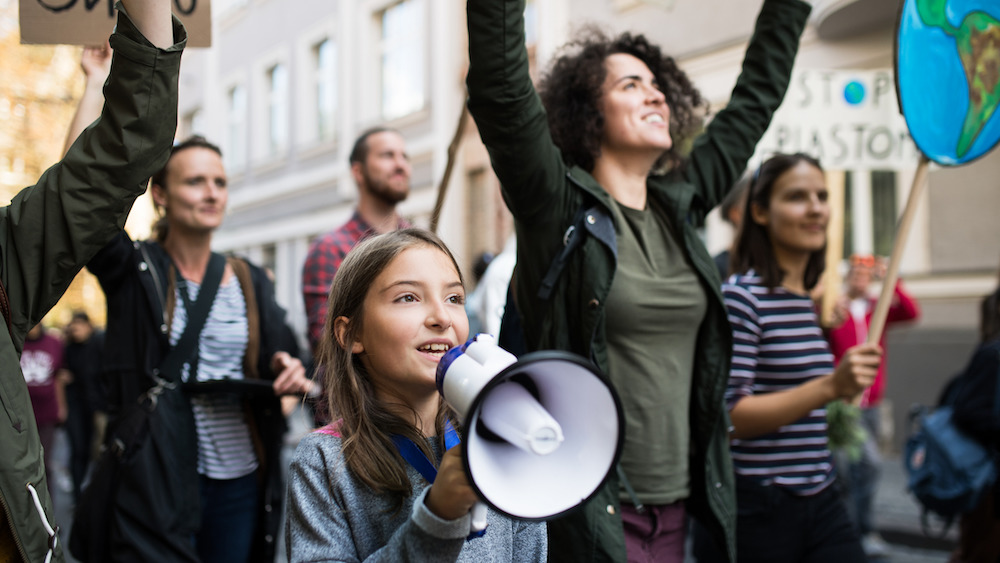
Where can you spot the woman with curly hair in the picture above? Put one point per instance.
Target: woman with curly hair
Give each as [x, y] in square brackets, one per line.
[612, 144]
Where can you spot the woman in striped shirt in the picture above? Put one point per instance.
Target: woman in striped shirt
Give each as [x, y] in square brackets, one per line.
[783, 374]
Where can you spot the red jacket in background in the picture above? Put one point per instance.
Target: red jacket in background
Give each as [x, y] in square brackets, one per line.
[903, 308]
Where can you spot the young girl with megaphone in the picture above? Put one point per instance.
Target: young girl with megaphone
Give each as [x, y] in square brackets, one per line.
[364, 487]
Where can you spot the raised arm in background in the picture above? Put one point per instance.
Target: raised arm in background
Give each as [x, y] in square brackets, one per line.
[96, 64]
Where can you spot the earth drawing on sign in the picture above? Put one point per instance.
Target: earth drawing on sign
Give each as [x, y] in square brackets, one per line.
[948, 69]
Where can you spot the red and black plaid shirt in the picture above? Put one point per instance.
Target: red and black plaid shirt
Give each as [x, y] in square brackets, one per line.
[325, 255]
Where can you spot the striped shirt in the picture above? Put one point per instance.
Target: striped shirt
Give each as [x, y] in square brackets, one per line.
[778, 344]
[225, 450]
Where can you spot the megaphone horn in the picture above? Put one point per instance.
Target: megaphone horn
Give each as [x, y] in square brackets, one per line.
[541, 433]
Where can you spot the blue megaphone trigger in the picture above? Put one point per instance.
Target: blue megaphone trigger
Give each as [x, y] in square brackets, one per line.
[444, 364]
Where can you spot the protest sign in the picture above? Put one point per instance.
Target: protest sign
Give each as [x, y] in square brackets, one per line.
[847, 118]
[90, 22]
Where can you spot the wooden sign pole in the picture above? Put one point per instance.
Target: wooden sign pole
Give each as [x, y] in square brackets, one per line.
[835, 184]
[456, 142]
[902, 234]
[877, 325]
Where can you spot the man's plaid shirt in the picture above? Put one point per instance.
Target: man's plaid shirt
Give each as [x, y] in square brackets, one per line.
[325, 255]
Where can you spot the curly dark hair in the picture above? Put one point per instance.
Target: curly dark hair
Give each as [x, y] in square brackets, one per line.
[572, 88]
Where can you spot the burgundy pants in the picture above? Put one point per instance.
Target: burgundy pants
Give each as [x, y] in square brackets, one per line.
[656, 535]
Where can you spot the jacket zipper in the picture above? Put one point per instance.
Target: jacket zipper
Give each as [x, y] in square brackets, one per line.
[13, 531]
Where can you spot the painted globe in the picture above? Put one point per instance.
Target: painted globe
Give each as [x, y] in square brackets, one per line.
[948, 76]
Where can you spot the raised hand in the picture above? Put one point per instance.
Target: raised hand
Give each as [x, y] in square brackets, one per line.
[96, 61]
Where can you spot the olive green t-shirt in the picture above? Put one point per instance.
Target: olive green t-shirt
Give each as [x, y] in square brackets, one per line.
[653, 312]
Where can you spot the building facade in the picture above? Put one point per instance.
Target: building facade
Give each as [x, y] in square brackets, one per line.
[287, 87]
[285, 90]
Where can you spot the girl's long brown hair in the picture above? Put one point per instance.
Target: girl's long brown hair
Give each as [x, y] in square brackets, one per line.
[364, 422]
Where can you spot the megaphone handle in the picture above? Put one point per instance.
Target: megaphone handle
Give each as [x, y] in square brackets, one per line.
[478, 517]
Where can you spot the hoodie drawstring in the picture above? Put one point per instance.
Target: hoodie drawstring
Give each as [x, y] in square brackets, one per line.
[53, 537]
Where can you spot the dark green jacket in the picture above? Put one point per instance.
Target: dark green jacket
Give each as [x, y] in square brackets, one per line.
[50, 230]
[544, 195]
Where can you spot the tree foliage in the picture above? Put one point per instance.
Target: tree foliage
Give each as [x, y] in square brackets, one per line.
[40, 86]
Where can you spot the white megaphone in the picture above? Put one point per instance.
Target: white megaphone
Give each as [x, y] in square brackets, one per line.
[541, 434]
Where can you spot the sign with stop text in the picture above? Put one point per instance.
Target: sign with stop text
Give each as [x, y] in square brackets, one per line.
[849, 119]
[90, 22]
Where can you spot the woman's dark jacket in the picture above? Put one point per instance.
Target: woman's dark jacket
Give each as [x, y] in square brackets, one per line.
[49, 232]
[138, 279]
[976, 393]
[544, 195]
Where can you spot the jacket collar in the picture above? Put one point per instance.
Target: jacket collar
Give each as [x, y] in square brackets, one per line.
[583, 180]
[678, 199]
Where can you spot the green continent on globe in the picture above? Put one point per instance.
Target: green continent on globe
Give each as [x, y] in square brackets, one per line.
[978, 44]
[932, 13]
[978, 41]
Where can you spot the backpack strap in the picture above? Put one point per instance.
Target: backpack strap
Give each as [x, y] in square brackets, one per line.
[197, 315]
[241, 268]
[572, 239]
[511, 337]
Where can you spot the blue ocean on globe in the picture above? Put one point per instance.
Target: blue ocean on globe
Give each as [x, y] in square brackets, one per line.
[933, 88]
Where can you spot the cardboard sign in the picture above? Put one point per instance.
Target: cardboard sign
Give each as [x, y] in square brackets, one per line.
[90, 22]
[847, 118]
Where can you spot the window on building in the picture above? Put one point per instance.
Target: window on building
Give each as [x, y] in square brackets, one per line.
[884, 212]
[531, 23]
[193, 123]
[277, 108]
[325, 88]
[403, 59]
[848, 214]
[224, 7]
[531, 37]
[870, 212]
[236, 129]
